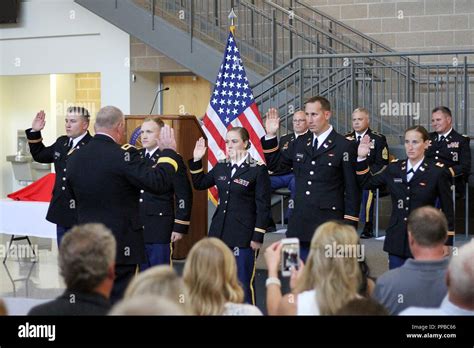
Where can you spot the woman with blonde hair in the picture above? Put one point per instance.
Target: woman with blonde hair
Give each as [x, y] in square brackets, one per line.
[158, 281]
[331, 277]
[210, 274]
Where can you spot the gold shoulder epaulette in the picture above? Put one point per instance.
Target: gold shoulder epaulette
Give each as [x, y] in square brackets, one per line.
[127, 146]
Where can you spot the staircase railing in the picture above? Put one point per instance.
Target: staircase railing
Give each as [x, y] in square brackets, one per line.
[272, 33]
[396, 95]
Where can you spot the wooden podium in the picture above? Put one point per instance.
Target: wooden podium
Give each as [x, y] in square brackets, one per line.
[187, 131]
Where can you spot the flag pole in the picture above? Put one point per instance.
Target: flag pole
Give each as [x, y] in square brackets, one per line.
[232, 17]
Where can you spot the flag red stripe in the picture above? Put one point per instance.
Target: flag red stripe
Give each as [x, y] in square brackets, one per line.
[254, 138]
[215, 134]
[256, 112]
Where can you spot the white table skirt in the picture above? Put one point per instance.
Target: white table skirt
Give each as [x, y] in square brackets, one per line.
[25, 219]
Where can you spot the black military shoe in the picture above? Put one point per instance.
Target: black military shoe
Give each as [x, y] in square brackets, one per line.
[367, 232]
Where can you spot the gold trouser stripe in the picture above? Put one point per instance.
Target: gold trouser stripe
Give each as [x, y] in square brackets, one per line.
[171, 254]
[182, 222]
[261, 230]
[196, 171]
[362, 172]
[35, 141]
[367, 206]
[170, 161]
[353, 218]
[452, 172]
[253, 276]
[271, 150]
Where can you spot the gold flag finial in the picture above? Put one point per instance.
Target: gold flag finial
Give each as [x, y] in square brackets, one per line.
[232, 17]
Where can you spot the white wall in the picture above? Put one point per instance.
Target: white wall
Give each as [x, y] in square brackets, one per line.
[22, 97]
[55, 37]
[59, 36]
[142, 93]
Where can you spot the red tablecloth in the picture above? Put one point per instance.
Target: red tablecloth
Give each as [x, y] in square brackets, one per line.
[39, 191]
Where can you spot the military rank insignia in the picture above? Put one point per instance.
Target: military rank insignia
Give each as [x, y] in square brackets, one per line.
[127, 146]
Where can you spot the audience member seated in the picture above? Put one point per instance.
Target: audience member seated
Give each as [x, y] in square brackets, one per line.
[420, 281]
[362, 306]
[460, 282]
[210, 274]
[147, 304]
[3, 308]
[331, 277]
[158, 281]
[86, 262]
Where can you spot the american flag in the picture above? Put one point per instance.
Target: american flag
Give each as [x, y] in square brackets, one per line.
[231, 105]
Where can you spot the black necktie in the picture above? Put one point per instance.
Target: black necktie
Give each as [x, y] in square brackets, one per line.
[441, 139]
[315, 144]
[358, 139]
[69, 145]
[232, 172]
[147, 156]
[408, 173]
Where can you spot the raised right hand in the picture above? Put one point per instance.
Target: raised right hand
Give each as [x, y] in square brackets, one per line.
[199, 149]
[272, 122]
[364, 147]
[39, 121]
[167, 139]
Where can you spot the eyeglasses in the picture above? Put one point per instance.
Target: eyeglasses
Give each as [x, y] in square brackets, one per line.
[298, 121]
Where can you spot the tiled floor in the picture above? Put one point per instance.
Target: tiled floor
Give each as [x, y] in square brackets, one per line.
[20, 277]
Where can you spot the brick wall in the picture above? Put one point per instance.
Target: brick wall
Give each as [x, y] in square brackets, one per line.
[146, 58]
[88, 93]
[408, 25]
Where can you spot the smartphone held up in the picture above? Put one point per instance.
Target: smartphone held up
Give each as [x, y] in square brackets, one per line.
[290, 255]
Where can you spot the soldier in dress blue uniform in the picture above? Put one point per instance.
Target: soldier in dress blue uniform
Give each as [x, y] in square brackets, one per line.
[414, 182]
[377, 159]
[284, 177]
[105, 180]
[449, 147]
[165, 217]
[61, 210]
[242, 213]
[323, 163]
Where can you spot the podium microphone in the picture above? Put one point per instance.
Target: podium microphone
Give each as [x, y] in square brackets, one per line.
[156, 96]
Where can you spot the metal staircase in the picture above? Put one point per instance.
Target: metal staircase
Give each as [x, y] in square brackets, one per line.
[292, 51]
